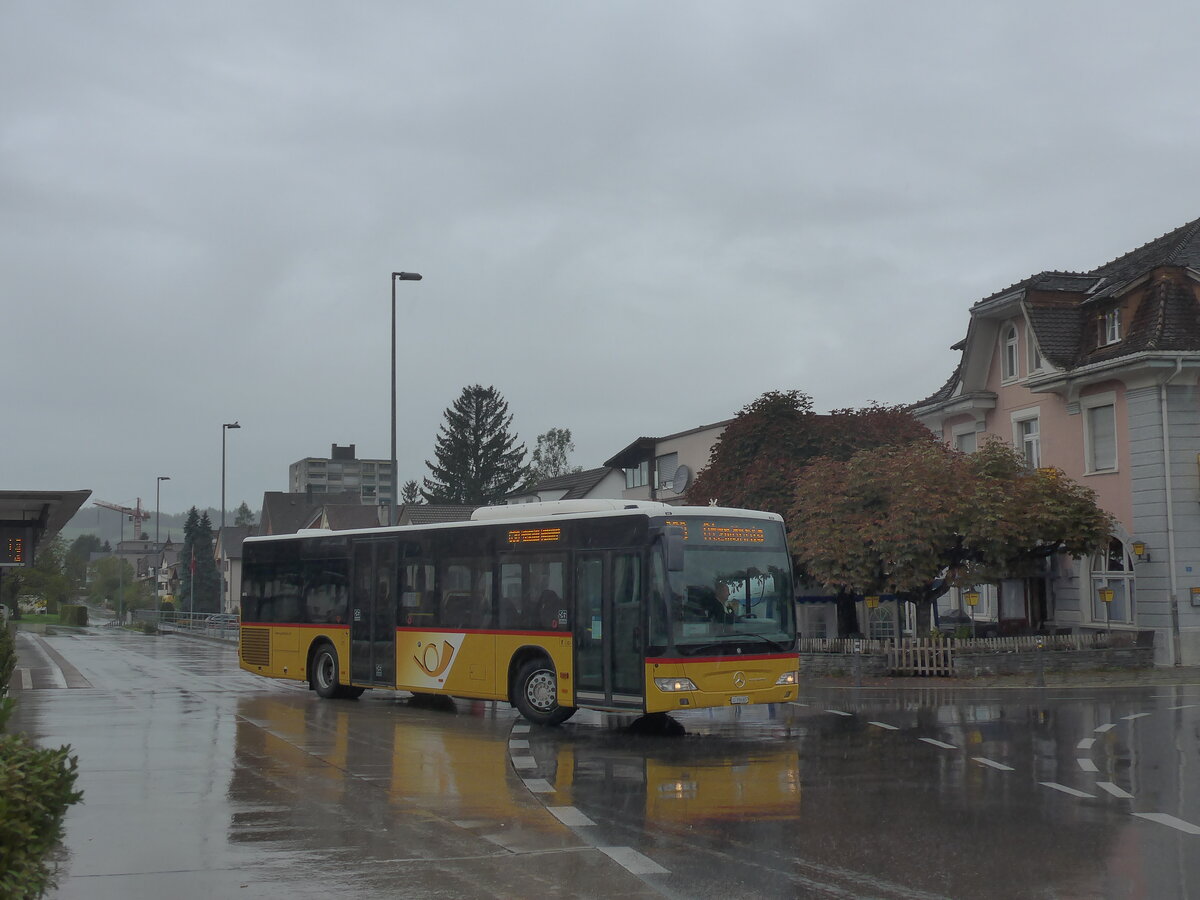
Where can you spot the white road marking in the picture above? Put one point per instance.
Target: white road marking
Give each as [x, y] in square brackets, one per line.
[524, 762]
[635, 862]
[797, 703]
[941, 744]
[1164, 819]
[539, 786]
[1118, 792]
[884, 725]
[56, 674]
[518, 745]
[520, 729]
[1134, 716]
[1103, 728]
[1085, 744]
[837, 712]
[1066, 790]
[570, 816]
[1087, 765]
[984, 761]
[26, 679]
[1185, 706]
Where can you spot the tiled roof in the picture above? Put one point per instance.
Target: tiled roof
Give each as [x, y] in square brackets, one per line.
[1180, 247]
[1058, 331]
[423, 514]
[344, 517]
[576, 484]
[284, 513]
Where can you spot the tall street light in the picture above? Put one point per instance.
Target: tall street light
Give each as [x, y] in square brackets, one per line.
[157, 504]
[396, 276]
[224, 431]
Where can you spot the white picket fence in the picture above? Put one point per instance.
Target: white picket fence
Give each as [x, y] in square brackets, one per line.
[935, 656]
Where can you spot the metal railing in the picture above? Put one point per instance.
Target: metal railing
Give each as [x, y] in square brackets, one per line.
[221, 625]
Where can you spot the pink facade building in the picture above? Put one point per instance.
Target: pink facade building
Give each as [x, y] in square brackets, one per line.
[1096, 373]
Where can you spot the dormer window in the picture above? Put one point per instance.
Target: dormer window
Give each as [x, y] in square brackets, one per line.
[1110, 327]
[1010, 352]
[1035, 356]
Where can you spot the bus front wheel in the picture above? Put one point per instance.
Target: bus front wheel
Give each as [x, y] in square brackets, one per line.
[325, 673]
[535, 694]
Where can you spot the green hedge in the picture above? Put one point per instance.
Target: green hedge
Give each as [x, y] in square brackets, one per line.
[36, 788]
[72, 614]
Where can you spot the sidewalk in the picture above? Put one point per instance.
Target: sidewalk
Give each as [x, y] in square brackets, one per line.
[1159, 675]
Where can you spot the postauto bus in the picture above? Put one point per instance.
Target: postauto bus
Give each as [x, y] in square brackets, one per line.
[603, 604]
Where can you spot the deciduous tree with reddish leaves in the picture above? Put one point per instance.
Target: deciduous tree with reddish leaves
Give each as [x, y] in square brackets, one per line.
[757, 458]
[917, 519]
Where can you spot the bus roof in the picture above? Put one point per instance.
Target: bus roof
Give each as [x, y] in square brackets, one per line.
[521, 512]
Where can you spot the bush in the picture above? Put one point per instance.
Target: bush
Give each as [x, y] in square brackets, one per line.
[148, 627]
[167, 606]
[36, 787]
[71, 614]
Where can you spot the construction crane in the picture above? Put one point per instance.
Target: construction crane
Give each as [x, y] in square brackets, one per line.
[136, 515]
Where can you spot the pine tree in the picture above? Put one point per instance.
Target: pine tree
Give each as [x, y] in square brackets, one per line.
[190, 526]
[208, 581]
[411, 492]
[478, 460]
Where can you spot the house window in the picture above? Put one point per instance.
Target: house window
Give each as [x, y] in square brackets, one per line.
[1112, 569]
[1100, 435]
[966, 442]
[639, 475]
[1035, 356]
[1110, 327]
[1010, 353]
[1027, 438]
[664, 472]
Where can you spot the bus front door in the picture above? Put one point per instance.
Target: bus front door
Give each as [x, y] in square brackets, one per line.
[373, 615]
[608, 609]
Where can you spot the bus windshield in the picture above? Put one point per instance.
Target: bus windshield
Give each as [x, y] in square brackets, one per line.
[734, 594]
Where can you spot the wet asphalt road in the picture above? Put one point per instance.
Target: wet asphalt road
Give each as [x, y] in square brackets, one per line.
[204, 781]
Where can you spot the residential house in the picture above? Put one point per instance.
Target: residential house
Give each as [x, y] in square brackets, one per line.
[604, 482]
[662, 468]
[1095, 373]
[229, 563]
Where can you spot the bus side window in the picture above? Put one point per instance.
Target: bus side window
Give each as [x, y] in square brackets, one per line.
[512, 584]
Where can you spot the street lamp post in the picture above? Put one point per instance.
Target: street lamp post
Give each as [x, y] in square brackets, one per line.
[224, 430]
[158, 504]
[221, 563]
[396, 276]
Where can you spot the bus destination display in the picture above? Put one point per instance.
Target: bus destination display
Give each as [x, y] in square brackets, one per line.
[727, 532]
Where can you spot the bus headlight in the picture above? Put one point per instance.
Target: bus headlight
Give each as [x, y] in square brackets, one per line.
[672, 685]
[789, 678]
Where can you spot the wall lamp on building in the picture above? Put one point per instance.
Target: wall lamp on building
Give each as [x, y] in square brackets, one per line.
[1140, 551]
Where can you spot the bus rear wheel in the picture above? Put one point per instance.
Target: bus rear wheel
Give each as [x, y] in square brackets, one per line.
[535, 694]
[325, 673]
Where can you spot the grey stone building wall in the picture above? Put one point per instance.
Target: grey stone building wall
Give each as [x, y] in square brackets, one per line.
[1153, 583]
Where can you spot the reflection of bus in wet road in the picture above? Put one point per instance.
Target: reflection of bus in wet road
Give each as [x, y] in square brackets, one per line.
[610, 605]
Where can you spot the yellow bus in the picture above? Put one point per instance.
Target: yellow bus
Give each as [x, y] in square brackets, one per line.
[600, 604]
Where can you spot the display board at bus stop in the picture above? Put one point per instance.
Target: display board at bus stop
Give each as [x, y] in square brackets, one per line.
[16, 544]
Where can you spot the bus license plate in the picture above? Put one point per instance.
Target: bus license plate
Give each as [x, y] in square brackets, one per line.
[741, 698]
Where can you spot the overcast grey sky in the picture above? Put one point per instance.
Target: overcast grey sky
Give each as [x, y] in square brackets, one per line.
[633, 218]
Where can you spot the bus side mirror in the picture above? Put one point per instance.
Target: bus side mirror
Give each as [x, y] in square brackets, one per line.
[673, 540]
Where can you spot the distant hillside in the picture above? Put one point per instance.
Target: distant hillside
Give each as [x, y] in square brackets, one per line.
[106, 524]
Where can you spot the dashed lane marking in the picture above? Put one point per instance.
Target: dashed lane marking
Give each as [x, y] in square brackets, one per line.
[570, 816]
[884, 725]
[837, 712]
[1087, 765]
[1066, 790]
[518, 745]
[941, 744]
[1117, 792]
[520, 728]
[524, 762]
[1135, 716]
[539, 786]
[635, 862]
[1185, 706]
[1164, 819]
[984, 761]
[1085, 744]
[1108, 726]
[26, 679]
